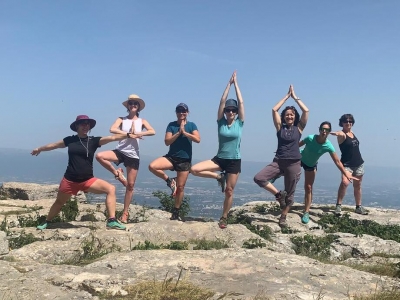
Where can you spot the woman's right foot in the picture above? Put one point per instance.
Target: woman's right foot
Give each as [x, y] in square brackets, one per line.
[172, 185]
[120, 177]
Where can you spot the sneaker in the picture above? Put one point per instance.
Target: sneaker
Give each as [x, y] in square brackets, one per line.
[282, 221]
[282, 199]
[175, 216]
[360, 210]
[223, 223]
[222, 181]
[42, 226]
[338, 210]
[172, 186]
[114, 224]
[305, 218]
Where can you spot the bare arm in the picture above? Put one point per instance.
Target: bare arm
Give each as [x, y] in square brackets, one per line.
[339, 164]
[301, 143]
[116, 137]
[170, 138]
[194, 136]
[239, 98]
[116, 127]
[304, 111]
[221, 107]
[276, 117]
[149, 130]
[48, 147]
[341, 136]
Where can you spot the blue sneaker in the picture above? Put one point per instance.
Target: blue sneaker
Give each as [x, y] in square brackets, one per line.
[305, 218]
[42, 226]
[114, 224]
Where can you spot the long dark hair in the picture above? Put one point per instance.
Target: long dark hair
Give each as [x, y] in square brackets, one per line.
[296, 115]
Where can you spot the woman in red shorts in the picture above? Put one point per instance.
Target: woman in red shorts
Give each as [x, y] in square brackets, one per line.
[79, 173]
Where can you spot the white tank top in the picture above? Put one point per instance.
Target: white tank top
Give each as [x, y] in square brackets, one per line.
[130, 147]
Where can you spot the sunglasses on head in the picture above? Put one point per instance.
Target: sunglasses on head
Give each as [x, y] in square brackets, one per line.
[325, 130]
[233, 110]
[181, 111]
[134, 103]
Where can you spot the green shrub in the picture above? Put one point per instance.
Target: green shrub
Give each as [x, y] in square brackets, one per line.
[21, 240]
[253, 244]
[168, 203]
[314, 246]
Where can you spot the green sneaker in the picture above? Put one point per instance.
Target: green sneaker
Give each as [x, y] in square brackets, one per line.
[114, 224]
[361, 210]
[305, 218]
[338, 210]
[42, 226]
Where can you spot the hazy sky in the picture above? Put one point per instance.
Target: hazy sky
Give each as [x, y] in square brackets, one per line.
[63, 58]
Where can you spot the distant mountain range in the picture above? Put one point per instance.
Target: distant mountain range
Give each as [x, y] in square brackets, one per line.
[380, 184]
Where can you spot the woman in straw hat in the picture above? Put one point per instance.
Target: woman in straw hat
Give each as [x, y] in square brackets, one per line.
[127, 150]
[79, 173]
[230, 118]
[179, 136]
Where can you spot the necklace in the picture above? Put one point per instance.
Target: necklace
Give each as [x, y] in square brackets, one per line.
[86, 147]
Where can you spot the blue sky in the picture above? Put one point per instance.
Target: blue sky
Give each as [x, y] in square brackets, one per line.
[63, 58]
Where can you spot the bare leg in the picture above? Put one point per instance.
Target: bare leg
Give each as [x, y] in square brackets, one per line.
[55, 209]
[158, 166]
[206, 169]
[180, 183]
[103, 187]
[230, 186]
[105, 158]
[309, 177]
[357, 189]
[342, 189]
[132, 174]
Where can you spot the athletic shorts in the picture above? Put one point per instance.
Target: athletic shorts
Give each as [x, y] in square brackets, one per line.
[356, 171]
[128, 161]
[179, 164]
[72, 188]
[307, 168]
[230, 166]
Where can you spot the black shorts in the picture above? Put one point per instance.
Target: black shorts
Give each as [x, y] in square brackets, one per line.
[128, 161]
[230, 166]
[179, 164]
[307, 168]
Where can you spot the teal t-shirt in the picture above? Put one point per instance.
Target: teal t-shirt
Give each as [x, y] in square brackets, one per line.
[314, 150]
[182, 147]
[229, 138]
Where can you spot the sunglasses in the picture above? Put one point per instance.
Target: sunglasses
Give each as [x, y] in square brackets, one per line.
[134, 103]
[233, 110]
[348, 121]
[325, 130]
[84, 123]
[181, 111]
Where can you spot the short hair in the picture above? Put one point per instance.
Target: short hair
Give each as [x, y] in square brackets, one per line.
[345, 117]
[296, 115]
[326, 123]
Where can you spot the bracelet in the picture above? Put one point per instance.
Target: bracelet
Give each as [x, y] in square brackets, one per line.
[298, 99]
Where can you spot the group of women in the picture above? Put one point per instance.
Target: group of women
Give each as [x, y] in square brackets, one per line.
[225, 167]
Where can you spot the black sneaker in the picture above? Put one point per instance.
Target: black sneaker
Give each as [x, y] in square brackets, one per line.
[175, 216]
[222, 181]
[282, 199]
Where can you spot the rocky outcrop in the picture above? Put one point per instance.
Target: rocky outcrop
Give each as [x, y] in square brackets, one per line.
[44, 269]
[32, 191]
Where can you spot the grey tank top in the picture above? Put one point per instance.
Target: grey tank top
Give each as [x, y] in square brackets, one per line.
[288, 143]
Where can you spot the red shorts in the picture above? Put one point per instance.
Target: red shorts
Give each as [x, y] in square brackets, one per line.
[72, 188]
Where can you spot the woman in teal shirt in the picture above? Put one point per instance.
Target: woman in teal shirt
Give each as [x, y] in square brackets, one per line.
[315, 146]
[230, 120]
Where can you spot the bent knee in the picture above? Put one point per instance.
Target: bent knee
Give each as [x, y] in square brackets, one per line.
[258, 181]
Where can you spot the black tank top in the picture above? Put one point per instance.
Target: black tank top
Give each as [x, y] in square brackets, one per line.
[351, 156]
[288, 143]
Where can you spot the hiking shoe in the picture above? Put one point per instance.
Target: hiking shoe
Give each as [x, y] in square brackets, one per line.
[42, 226]
[282, 199]
[360, 210]
[282, 221]
[172, 186]
[175, 216]
[114, 224]
[305, 218]
[222, 181]
[338, 210]
[223, 223]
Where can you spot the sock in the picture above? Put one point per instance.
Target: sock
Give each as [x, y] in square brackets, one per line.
[337, 204]
[357, 206]
[278, 194]
[112, 219]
